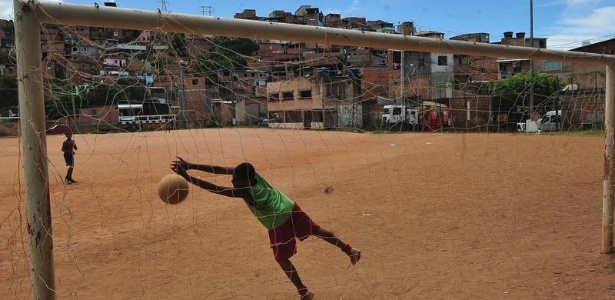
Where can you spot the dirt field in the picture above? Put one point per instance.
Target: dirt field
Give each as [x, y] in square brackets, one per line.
[437, 216]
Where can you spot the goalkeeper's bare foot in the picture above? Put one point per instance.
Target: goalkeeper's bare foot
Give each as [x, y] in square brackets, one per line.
[355, 255]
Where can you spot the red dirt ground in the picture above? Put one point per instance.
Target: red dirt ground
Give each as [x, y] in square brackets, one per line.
[437, 216]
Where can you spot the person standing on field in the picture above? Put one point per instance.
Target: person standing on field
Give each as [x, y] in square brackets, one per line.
[68, 147]
[285, 221]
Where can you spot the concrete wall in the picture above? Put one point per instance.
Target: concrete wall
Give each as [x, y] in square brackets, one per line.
[350, 116]
[294, 86]
[479, 112]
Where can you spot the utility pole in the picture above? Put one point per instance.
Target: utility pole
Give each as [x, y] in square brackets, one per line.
[402, 67]
[206, 10]
[72, 99]
[531, 60]
[182, 94]
[163, 5]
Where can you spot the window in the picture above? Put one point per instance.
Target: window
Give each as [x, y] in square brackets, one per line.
[421, 62]
[195, 81]
[287, 96]
[336, 90]
[551, 65]
[442, 60]
[274, 97]
[305, 94]
[551, 118]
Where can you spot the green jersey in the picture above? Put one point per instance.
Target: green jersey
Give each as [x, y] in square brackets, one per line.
[271, 207]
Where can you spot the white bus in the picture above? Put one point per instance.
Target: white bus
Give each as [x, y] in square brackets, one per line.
[138, 115]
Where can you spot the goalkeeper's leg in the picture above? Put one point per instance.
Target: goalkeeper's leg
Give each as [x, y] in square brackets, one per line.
[331, 238]
[291, 272]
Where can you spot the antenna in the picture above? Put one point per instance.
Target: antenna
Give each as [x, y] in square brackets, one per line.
[163, 5]
[206, 10]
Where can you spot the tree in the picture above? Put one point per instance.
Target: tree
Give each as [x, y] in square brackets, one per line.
[545, 85]
[238, 46]
[9, 31]
[178, 45]
[5, 56]
[102, 94]
[148, 54]
[226, 54]
[131, 89]
[58, 102]
[125, 89]
[8, 92]
[212, 62]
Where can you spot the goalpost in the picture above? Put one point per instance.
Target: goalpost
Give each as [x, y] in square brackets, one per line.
[29, 15]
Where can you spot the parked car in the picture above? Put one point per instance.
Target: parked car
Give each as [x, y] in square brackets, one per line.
[263, 122]
[58, 129]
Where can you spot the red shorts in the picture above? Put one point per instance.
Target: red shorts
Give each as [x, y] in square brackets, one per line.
[283, 238]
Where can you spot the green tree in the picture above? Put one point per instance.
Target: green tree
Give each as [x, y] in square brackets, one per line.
[9, 31]
[240, 46]
[58, 101]
[125, 89]
[5, 58]
[226, 54]
[8, 92]
[212, 62]
[545, 85]
[131, 89]
[148, 54]
[103, 94]
[178, 45]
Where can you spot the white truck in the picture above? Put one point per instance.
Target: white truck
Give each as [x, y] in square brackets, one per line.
[551, 121]
[400, 116]
[429, 115]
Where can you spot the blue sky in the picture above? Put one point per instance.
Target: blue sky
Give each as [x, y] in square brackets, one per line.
[566, 23]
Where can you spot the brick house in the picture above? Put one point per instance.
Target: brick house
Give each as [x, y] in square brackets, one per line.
[327, 99]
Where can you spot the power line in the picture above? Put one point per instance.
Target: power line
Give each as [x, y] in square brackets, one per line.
[163, 5]
[206, 10]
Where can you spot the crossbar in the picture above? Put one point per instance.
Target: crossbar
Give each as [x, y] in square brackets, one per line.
[114, 17]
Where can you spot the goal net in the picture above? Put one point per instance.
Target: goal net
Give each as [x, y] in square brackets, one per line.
[454, 168]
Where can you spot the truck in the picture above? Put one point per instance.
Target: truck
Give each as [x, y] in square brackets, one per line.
[551, 121]
[400, 116]
[427, 115]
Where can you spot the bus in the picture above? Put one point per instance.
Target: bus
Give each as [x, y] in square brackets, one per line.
[145, 114]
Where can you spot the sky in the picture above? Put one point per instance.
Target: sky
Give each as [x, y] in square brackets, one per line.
[565, 23]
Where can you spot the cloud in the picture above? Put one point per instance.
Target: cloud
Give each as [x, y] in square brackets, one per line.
[581, 2]
[593, 25]
[599, 20]
[6, 9]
